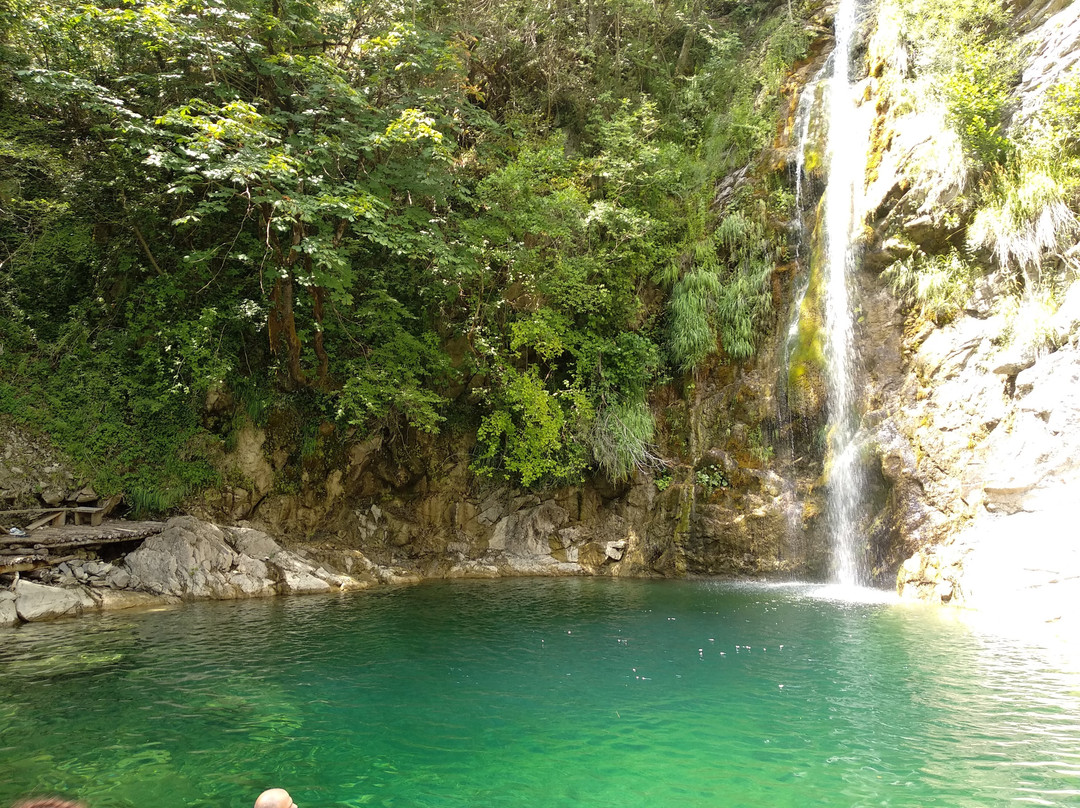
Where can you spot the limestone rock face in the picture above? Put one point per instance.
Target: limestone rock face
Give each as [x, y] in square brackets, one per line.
[193, 560]
[976, 434]
[187, 559]
[1054, 34]
[525, 536]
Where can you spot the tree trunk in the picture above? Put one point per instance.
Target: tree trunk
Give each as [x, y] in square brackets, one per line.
[682, 66]
[317, 296]
[282, 328]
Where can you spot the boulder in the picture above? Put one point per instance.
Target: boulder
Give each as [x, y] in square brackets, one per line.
[253, 543]
[9, 616]
[188, 559]
[98, 569]
[299, 582]
[39, 602]
[52, 497]
[194, 560]
[615, 549]
[85, 496]
[118, 578]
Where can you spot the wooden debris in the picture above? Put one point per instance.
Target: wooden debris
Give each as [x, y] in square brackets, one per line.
[51, 546]
[23, 563]
[85, 535]
[52, 518]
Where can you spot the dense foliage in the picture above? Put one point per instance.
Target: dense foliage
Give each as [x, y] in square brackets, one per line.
[1018, 168]
[354, 210]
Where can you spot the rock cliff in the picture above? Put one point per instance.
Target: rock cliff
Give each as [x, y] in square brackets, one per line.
[970, 425]
[974, 421]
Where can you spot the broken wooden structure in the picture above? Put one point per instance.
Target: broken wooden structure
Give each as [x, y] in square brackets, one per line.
[49, 546]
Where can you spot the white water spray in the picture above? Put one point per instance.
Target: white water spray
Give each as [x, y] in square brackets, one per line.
[846, 163]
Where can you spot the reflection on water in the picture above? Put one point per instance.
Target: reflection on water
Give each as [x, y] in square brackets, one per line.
[536, 693]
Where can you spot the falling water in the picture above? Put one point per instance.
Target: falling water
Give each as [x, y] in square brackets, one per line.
[845, 173]
[804, 113]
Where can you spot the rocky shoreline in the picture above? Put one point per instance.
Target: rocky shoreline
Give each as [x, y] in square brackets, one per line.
[193, 560]
[189, 560]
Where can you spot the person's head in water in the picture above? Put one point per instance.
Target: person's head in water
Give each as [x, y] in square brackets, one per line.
[47, 802]
[275, 798]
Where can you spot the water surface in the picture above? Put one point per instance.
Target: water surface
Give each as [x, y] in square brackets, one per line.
[536, 693]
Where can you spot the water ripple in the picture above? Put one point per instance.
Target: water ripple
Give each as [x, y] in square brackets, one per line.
[538, 693]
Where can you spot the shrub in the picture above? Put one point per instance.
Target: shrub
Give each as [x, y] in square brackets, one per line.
[620, 440]
[530, 436]
[1026, 216]
[936, 285]
[690, 336]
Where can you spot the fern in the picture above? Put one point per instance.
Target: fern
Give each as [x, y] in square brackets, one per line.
[1028, 217]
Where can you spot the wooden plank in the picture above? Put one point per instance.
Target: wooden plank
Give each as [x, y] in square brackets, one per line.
[23, 563]
[24, 511]
[54, 518]
[108, 532]
[31, 562]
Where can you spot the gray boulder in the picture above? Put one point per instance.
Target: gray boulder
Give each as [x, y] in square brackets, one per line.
[40, 602]
[253, 543]
[8, 615]
[196, 560]
[118, 578]
[192, 560]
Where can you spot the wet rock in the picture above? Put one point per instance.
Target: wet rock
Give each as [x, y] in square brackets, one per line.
[115, 600]
[891, 250]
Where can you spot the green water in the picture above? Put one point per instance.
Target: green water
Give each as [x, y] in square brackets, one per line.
[570, 692]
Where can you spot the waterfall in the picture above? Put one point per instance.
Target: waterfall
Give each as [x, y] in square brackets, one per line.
[844, 182]
[804, 114]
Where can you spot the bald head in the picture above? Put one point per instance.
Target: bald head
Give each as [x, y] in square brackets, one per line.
[275, 798]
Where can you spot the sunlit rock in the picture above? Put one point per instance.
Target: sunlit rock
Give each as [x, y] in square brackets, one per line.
[9, 616]
[38, 602]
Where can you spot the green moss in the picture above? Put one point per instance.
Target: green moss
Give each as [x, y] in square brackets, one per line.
[806, 361]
